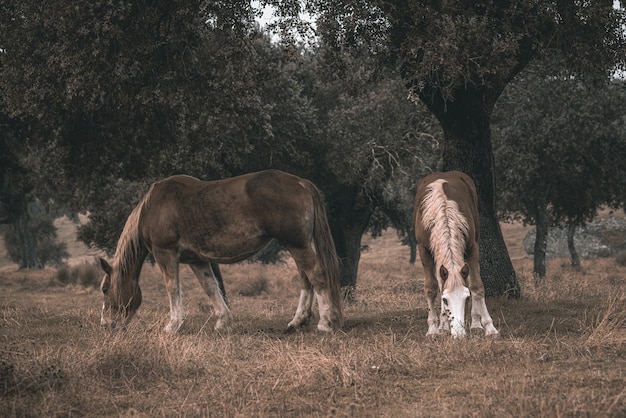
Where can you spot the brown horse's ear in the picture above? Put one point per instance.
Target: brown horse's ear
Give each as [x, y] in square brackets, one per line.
[106, 284]
[106, 267]
[443, 272]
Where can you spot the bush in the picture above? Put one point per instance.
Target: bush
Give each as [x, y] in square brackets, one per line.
[48, 251]
[620, 258]
[255, 287]
[86, 274]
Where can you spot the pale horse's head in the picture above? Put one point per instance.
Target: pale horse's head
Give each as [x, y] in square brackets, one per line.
[455, 294]
[122, 296]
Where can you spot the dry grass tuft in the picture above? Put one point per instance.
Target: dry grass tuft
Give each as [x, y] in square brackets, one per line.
[608, 326]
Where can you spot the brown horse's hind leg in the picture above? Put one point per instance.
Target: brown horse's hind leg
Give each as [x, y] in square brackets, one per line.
[314, 276]
[305, 303]
[210, 284]
[168, 263]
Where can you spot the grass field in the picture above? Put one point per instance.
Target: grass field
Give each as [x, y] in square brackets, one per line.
[561, 353]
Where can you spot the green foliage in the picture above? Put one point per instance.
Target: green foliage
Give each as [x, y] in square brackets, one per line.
[560, 146]
[109, 207]
[444, 47]
[40, 224]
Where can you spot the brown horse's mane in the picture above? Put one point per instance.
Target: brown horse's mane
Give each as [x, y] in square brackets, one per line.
[448, 227]
[129, 244]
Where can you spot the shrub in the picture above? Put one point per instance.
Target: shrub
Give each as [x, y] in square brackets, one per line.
[41, 227]
[620, 258]
[84, 274]
[64, 274]
[254, 287]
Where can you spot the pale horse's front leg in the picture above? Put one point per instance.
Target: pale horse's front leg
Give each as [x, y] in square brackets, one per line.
[431, 290]
[481, 318]
[480, 315]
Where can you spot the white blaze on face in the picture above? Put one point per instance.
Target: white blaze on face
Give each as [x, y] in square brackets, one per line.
[453, 309]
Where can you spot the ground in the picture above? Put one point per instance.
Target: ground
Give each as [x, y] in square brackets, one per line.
[561, 350]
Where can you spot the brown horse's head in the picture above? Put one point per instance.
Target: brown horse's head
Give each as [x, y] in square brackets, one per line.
[122, 296]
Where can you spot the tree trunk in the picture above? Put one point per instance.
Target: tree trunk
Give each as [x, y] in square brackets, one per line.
[541, 244]
[467, 148]
[348, 221]
[28, 251]
[571, 230]
[412, 246]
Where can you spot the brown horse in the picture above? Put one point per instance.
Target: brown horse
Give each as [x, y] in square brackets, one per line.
[184, 220]
[447, 228]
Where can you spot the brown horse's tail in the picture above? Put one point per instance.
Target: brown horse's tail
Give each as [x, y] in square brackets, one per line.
[325, 247]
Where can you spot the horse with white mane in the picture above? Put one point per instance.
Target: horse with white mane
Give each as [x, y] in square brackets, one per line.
[447, 227]
[184, 220]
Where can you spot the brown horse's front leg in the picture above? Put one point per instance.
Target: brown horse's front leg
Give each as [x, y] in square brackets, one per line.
[211, 286]
[168, 264]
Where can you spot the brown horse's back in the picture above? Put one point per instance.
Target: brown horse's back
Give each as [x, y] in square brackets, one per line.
[226, 220]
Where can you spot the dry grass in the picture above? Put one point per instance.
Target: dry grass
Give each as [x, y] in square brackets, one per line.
[561, 352]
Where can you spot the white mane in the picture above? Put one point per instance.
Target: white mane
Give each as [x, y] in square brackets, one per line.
[447, 225]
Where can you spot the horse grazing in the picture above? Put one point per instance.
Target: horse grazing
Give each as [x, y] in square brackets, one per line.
[184, 220]
[447, 228]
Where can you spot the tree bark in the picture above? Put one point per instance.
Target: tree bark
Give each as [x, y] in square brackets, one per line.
[467, 147]
[541, 244]
[348, 221]
[571, 246]
[28, 251]
[413, 247]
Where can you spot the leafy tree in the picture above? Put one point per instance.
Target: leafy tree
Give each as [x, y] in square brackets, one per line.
[125, 88]
[16, 194]
[560, 147]
[458, 57]
[127, 92]
[388, 147]
[42, 231]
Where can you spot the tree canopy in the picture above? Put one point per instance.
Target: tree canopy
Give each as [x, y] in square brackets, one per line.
[560, 147]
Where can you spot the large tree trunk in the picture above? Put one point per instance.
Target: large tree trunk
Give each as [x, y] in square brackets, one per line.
[571, 245]
[413, 247]
[348, 221]
[467, 147]
[28, 251]
[541, 243]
